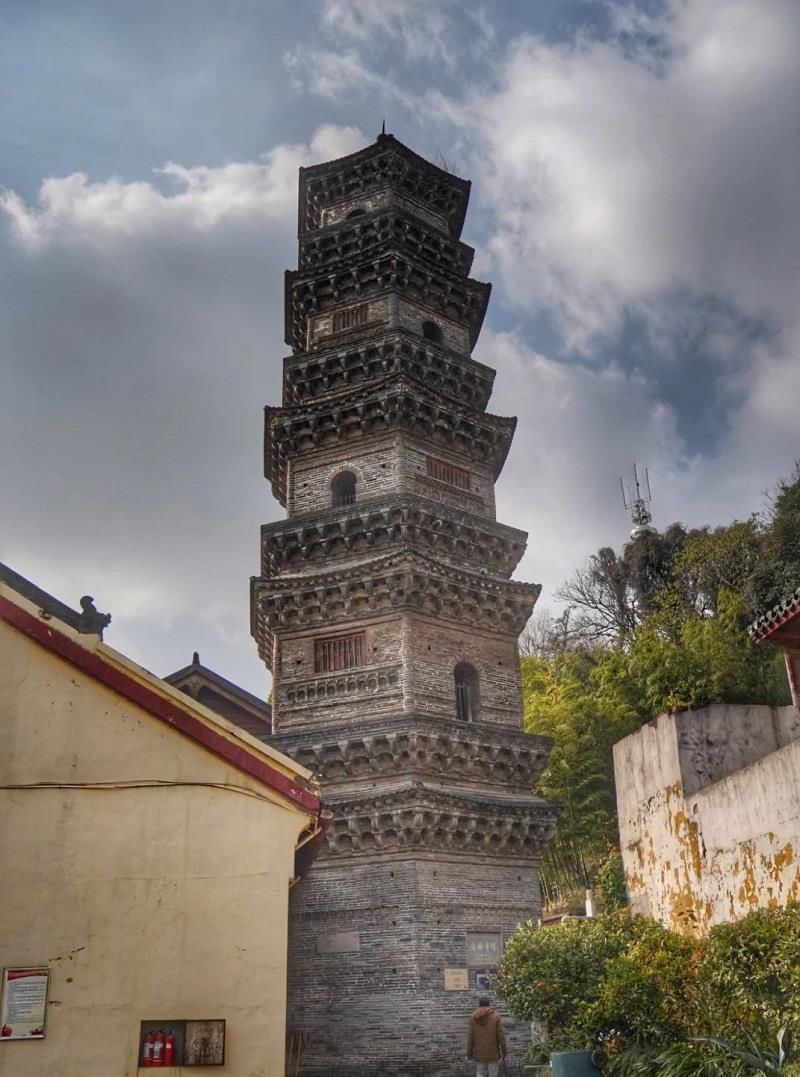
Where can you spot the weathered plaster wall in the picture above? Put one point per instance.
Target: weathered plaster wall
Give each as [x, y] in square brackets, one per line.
[709, 812]
[145, 900]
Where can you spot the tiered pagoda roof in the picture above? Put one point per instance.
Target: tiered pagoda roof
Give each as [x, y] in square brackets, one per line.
[387, 272]
[393, 403]
[395, 581]
[341, 365]
[301, 544]
[386, 165]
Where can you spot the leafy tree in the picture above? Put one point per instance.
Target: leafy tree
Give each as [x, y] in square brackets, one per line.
[711, 561]
[658, 626]
[610, 884]
[545, 636]
[680, 660]
[778, 572]
[649, 561]
[616, 592]
[648, 992]
[753, 970]
[553, 975]
[562, 701]
[603, 600]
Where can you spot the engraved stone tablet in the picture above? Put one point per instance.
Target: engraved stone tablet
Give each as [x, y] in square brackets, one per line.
[339, 942]
[456, 980]
[484, 948]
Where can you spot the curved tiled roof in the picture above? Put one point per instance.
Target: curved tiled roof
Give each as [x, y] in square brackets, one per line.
[781, 612]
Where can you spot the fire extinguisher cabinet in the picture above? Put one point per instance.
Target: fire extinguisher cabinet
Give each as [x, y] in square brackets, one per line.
[573, 1064]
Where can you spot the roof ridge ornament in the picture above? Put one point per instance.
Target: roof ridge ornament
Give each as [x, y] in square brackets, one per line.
[90, 619]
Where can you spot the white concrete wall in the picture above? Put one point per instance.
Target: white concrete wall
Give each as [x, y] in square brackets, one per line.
[147, 902]
[709, 813]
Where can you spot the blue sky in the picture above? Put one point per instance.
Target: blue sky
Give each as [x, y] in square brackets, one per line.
[635, 176]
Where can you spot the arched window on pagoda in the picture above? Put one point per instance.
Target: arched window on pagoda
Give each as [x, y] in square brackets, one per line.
[432, 332]
[467, 684]
[343, 489]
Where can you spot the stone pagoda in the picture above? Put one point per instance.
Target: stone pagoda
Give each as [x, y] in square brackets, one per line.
[386, 613]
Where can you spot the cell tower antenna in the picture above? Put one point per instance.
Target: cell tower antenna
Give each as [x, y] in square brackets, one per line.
[636, 497]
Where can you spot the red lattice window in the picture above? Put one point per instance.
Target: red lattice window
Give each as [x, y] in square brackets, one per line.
[339, 652]
[444, 472]
[350, 318]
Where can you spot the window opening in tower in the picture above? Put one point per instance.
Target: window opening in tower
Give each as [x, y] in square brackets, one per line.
[343, 489]
[432, 332]
[449, 473]
[339, 652]
[350, 318]
[467, 692]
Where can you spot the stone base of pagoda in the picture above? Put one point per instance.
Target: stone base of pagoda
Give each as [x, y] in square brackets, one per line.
[385, 954]
[429, 865]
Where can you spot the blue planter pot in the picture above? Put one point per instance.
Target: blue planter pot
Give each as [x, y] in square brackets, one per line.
[573, 1064]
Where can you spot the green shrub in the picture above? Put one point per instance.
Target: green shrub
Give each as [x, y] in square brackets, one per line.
[751, 970]
[609, 882]
[552, 975]
[660, 1003]
[647, 993]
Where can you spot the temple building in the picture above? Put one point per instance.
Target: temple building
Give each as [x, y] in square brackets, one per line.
[386, 613]
[224, 697]
[149, 846]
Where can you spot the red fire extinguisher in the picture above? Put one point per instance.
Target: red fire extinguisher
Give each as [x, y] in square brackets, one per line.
[158, 1048]
[147, 1051]
[169, 1049]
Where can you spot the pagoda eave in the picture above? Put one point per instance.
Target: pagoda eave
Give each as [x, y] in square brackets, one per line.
[374, 167]
[379, 232]
[341, 366]
[382, 522]
[458, 299]
[418, 745]
[403, 581]
[294, 430]
[415, 817]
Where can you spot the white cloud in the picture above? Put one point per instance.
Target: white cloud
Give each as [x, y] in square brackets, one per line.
[649, 175]
[657, 177]
[337, 74]
[362, 44]
[424, 29]
[620, 177]
[141, 331]
[579, 430]
[199, 198]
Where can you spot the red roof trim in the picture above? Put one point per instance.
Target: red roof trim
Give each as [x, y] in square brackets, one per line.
[165, 710]
[305, 855]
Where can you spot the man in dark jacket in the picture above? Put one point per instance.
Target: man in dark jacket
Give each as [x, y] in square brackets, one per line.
[486, 1039]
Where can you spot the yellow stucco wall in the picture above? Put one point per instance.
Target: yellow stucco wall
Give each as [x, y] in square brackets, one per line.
[146, 902]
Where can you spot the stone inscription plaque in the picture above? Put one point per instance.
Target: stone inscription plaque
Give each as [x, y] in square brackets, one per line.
[339, 942]
[484, 948]
[456, 980]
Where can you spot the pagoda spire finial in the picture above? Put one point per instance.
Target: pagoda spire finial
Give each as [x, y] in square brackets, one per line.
[383, 126]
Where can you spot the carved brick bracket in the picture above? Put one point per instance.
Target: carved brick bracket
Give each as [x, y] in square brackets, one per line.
[424, 818]
[476, 752]
[409, 520]
[337, 368]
